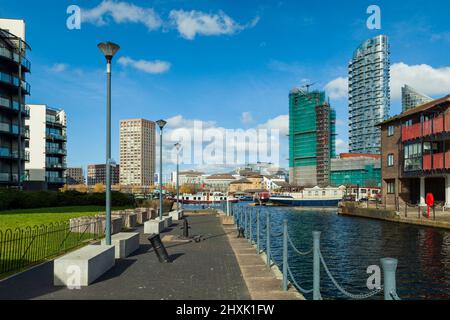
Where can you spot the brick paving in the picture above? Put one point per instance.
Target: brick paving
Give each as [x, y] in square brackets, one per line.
[206, 270]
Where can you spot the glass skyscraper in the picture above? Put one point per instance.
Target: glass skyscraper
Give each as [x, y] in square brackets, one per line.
[369, 94]
[411, 98]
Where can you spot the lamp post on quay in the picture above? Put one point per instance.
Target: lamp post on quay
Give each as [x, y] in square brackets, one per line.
[178, 147]
[108, 49]
[161, 124]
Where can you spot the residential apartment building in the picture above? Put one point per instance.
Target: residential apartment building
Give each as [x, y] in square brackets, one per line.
[47, 147]
[416, 154]
[137, 152]
[75, 176]
[351, 169]
[369, 94]
[14, 67]
[97, 174]
[312, 138]
[411, 98]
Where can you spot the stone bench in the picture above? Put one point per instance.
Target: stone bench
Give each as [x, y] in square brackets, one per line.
[176, 215]
[125, 243]
[129, 219]
[95, 225]
[83, 266]
[168, 221]
[143, 214]
[154, 227]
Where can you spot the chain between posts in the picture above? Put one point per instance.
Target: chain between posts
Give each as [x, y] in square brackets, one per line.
[389, 265]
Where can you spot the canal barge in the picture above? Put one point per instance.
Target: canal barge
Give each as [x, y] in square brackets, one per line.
[310, 197]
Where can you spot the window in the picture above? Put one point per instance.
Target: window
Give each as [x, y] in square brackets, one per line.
[390, 186]
[390, 160]
[391, 131]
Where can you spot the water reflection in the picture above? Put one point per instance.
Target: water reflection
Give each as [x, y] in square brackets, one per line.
[349, 245]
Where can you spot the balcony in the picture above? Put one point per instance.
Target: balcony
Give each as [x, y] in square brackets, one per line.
[8, 178]
[55, 180]
[58, 151]
[57, 166]
[13, 56]
[437, 161]
[54, 137]
[438, 125]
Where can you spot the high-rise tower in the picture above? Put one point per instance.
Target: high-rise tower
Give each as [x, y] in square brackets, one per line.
[369, 94]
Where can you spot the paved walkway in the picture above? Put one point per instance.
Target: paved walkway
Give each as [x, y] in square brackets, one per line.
[205, 270]
[263, 284]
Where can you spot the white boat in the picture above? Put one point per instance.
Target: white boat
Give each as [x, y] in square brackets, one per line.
[206, 198]
[311, 197]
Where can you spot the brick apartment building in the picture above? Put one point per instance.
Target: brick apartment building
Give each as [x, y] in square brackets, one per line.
[416, 154]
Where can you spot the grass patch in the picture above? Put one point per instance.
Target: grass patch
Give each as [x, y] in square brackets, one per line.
[12, 219]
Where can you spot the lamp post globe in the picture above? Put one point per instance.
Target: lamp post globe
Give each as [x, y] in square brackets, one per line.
[108, 49]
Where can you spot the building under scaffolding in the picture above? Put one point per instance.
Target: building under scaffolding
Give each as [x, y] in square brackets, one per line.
[312, 138]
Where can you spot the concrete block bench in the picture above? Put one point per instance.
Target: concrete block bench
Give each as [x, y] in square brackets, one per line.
[129, 219]
[95, 225]
[83, 266]
[142, 215]
[125, 243]
[153, 226]
[176, 215]
[167, 221]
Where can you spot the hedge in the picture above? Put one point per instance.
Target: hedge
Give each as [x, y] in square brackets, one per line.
[15, 199]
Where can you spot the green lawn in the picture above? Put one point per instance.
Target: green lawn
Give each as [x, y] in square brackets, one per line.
[12, 219]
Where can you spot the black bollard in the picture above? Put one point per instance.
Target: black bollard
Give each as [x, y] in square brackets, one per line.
[185, 228]
[241, 232]
[159, 248]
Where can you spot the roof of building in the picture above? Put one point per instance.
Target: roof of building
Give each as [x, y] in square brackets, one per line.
[220, 176]
[242, 181]
[359, 155]
[191, 173]
[421, 108]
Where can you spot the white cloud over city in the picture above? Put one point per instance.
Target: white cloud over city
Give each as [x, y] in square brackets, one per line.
[152, 67]
[121, 12]
[189, 24]
[425, 78]
[192, 23]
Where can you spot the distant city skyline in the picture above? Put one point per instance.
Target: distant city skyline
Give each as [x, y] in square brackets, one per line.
[235, 76]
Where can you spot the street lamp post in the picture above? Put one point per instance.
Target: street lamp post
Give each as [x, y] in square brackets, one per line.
[108, 49]
[161, 124]
[178, 147]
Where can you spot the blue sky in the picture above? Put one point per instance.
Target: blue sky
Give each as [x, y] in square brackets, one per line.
[245, 60]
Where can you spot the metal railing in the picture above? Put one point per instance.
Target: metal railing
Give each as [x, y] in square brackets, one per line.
[249, 220]
[28, 246]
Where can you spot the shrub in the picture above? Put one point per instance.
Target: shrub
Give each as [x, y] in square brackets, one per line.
[15, 199]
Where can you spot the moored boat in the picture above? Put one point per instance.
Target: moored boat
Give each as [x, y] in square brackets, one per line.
[310, 197]
[206, 198]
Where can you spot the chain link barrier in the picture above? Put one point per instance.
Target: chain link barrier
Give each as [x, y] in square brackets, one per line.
[342, 290]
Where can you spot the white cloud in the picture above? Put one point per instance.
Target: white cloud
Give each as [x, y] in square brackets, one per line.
[192, 23]
[341, 146]
[59, 67]
[337, 88]
[153, 67]
[121, 12]
[281, 123]
[425, 78]
[246, 118]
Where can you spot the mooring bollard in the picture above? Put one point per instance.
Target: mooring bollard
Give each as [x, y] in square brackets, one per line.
[285, 255]
[316, 265]
[257, 231]
[389, 269]
[268, 239]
